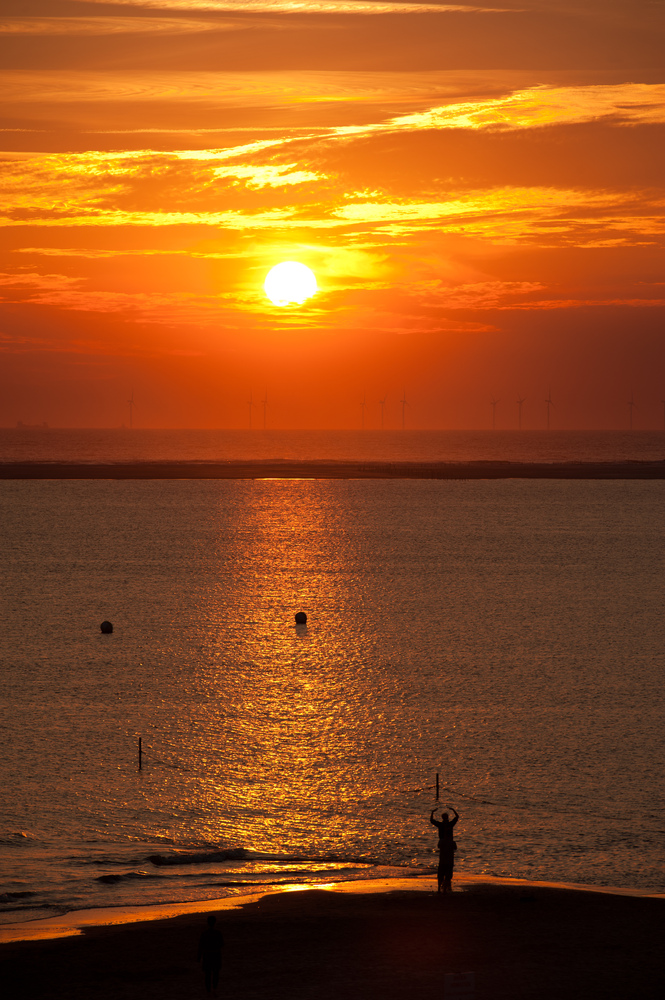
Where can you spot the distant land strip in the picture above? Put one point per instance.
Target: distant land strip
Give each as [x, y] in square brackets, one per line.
[286, 469]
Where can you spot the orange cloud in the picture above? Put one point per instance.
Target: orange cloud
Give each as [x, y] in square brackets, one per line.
[73, 26]
[308, 6]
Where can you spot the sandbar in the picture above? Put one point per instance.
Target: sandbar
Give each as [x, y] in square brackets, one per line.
[278, 469]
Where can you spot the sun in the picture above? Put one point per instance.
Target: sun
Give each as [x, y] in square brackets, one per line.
[290, 282]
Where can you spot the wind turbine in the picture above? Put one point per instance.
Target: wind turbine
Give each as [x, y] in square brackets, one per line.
[520, 400]
[264, 404]
[632, 405]
[362, 412]
[250, 404]
[132, 404]
[404, 405]
[382, 403]
[549, 403]
[493, 403]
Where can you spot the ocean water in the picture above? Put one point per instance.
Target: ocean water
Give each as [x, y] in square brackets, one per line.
[508, 635]
[54, 445]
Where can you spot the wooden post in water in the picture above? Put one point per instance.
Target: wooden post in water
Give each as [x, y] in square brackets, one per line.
[437, 786]
[141, 754]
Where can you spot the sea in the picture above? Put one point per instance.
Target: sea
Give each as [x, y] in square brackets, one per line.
[505, 635]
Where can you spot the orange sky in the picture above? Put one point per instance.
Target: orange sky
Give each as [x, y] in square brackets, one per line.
[479, 191]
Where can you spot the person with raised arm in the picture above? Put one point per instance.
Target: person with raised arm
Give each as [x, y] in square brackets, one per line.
[447, 848]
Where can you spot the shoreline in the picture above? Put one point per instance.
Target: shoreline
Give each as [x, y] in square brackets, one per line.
[517, 940]
[287, 469]
[75, 922]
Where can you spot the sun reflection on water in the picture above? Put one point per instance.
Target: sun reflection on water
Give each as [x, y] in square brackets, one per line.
[289, 692]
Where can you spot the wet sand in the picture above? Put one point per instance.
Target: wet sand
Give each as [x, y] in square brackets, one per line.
[333, 470]
[523, 941]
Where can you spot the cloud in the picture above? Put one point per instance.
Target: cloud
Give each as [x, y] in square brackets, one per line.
[309, 6]
[72, 26]
[393, 253]
[105, 217]
[18, 285]
[536, 107]
[255, 89]
[397, 304]
[91, 253]
[268, 176]
[511, 215]
[117, 189]
[516, 109]
[478, 294]
[241, 189]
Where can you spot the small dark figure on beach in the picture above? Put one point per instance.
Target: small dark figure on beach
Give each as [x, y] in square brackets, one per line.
[447, 848]
[210, 954]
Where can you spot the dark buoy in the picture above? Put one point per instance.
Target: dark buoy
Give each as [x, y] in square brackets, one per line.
[301, 618]
[106, 628]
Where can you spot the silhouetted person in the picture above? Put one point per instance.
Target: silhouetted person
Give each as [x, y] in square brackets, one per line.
[210, 954]
[447, 848]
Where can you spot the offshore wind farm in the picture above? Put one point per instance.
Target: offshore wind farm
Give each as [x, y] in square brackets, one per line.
[437, 409]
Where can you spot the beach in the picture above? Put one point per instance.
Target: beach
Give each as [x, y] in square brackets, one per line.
[520, 939]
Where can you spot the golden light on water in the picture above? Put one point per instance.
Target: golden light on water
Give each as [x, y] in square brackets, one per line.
[290, 282]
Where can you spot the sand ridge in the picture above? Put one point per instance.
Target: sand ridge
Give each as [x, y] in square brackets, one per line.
[312, 469]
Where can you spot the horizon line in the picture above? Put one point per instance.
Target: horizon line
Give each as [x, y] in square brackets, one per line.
[355, 430]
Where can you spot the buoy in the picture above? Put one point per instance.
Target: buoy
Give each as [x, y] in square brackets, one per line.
[301, 618]
[106, 628]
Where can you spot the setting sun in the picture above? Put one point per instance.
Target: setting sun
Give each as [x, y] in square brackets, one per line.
[290, 282]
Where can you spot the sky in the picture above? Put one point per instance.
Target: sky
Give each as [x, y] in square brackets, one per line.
[479, 191]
